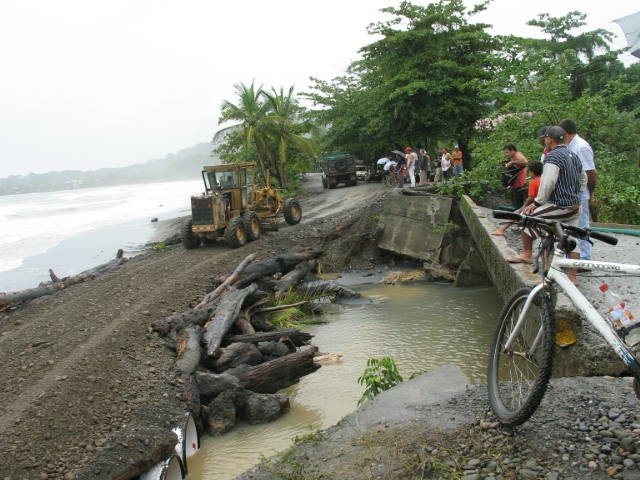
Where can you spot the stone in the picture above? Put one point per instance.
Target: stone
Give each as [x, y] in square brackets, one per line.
[262, 407]
[221, 416]
[238, 354]
[211, 385]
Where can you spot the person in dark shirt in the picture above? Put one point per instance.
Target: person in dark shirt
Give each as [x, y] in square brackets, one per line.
[559, 196]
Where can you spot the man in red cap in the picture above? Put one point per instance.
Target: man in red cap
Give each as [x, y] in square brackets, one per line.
[412, 160]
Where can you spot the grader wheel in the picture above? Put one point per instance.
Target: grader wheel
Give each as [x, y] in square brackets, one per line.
[236, 235]
[251, 223]
[292, 211]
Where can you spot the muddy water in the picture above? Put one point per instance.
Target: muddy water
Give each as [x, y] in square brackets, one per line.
[422, 326]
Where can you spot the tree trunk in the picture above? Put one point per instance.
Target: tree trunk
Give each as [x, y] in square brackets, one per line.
[244, 322]
[280, 264]
[226, 314]
[48, 288]
[231, 279]
[294, 276]
[280, 373]
[298, 337]
[188, 349]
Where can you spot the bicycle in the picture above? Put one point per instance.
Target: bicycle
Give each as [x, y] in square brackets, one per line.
[521, 355]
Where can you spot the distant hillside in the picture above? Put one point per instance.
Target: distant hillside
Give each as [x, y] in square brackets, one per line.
[183, 165]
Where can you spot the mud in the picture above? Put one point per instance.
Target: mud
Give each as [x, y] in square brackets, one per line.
[88, 392]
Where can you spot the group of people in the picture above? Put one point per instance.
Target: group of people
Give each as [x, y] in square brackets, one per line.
[562, 185]
[420, 169]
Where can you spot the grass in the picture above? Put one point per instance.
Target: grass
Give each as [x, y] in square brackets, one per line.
[294, 317]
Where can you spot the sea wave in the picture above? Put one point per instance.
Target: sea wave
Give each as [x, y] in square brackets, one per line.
[34, 223]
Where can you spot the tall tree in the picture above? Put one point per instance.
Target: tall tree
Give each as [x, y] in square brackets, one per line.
[267, 127]
[594, 63]
[422, 79]
[251, 116]
[285, 130]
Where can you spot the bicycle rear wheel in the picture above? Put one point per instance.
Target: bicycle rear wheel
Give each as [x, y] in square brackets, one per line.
[517, 378]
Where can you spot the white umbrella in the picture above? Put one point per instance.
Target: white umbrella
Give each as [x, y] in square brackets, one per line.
[388, 165]
[382, 161]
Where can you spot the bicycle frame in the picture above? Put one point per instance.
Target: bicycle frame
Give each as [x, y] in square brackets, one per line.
[557, 276]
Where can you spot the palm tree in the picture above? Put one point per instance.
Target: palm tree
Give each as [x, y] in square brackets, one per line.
[250, 115]
[283, 129]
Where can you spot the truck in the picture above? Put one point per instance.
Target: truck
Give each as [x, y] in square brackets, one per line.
[338, 168]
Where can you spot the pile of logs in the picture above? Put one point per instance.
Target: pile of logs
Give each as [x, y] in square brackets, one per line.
[11, 299]
[230, 360]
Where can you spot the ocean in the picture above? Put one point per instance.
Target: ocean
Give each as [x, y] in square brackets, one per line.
[69, 231]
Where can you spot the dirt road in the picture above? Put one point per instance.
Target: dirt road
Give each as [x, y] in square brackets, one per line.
[88, 391]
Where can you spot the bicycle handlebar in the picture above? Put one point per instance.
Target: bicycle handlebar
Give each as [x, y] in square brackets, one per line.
[579, 232]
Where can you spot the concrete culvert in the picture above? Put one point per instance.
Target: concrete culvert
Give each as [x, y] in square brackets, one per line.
[188, 440]
[169, 469]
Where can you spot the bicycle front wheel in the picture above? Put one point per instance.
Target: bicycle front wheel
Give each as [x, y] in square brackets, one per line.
[518, 376]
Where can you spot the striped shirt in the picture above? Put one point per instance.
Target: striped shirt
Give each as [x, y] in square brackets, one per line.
[566, 189]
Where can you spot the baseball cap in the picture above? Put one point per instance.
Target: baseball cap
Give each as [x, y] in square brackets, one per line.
[554, 132]
[408, 149]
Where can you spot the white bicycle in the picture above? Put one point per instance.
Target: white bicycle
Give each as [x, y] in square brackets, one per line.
[521, 355]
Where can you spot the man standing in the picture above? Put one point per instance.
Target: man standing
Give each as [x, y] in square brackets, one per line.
[583, 150]
[412, 159]
[401, 169]
[517, 160]
[457, 160]
[561, 185]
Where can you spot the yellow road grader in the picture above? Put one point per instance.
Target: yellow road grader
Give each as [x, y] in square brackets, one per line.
[234, 208]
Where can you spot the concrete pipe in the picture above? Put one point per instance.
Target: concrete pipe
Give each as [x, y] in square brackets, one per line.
[169, 469]
[188, 439]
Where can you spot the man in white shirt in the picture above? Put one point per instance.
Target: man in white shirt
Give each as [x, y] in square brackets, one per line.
[583, 150]
[412, 159]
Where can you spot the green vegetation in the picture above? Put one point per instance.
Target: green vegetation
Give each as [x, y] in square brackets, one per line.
[433, 77]
[295, 316]
[158, 246]
[379, 376]
[268, 129]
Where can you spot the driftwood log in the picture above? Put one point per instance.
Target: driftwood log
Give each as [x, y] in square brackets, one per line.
[280, 264]
[231, 279]
[280, 373]
[226, 314]
[188, 349]
[298, 337]
[179, 320]
[296, 275]
[57, 284]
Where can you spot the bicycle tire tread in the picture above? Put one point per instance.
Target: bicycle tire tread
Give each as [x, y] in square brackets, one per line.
[539, 387]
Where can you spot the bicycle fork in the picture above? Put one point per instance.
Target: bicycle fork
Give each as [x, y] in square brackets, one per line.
[521, 319]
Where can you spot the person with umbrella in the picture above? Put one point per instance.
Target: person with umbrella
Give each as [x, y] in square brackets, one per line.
[388, 169]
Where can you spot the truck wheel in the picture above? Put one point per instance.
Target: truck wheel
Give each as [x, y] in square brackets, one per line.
[331, 183]
[251, 223]
[292, 211]
[236, 236]
[189, 240]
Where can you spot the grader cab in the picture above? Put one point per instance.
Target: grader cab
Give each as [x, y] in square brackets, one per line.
[233, 207]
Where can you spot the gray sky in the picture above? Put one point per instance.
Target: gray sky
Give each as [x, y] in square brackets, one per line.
[90, 84]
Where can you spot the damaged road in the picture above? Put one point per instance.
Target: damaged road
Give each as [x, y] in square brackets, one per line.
[88, 392]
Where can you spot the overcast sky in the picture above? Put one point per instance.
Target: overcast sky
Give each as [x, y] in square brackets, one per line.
[88, 84]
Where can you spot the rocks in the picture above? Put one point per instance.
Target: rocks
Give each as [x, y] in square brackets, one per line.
[263, 407]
